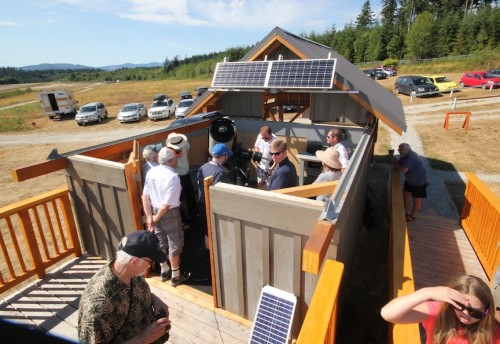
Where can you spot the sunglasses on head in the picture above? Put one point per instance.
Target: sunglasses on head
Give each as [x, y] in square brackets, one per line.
[477, 314]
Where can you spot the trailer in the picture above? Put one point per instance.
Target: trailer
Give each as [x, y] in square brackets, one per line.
[56, 104]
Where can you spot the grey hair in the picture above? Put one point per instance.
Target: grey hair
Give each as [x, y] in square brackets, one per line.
[164, 160]
[123, 257]
[404, 149]
[148, 153]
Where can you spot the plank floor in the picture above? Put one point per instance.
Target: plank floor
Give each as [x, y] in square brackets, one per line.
[51, 305]
[440, 250]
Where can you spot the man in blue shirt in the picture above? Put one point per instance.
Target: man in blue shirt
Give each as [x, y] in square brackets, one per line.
[416, 179]
[284, 174]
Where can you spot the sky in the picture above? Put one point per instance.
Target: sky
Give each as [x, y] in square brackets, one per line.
[99, 33]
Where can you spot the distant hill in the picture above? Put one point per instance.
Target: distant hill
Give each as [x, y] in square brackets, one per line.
[61, 66]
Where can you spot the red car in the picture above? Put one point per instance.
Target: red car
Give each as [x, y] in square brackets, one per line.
[479, 78]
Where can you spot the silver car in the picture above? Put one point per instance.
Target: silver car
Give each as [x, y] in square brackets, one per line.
[132, 112]
[91, 112]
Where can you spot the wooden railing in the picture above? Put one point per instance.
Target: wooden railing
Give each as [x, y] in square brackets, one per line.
[399, 261]
[35, 234]
[481, 222]
[319, 325]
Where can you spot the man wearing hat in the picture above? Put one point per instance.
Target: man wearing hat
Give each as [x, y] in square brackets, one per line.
[150, 155]
[180, 144]
[220, 154]
[117, 304]
[160, 201]
[332, 168]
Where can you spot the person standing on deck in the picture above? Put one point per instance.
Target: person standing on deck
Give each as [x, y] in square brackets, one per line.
[284, 174]
[333, 138]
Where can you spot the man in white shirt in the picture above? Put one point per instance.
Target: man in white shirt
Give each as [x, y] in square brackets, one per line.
[262, 145]
[333, 139]
[161, 200]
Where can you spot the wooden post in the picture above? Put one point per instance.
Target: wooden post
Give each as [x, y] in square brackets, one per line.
[206, 184]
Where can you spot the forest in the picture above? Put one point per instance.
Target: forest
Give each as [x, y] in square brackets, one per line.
[403, 30]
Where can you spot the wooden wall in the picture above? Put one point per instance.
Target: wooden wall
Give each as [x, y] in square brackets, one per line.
[258, 239]
[101, 203]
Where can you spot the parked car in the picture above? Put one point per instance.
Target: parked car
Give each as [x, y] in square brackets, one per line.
[387, 70]
[161, 108]
[132, 112]
[195, 118]
[182, 107]
[415, 85]
[185, 95]
[200, 90]
[442, 82]
[479, 78]
[494, 71]
[375, 74]
[91, 112]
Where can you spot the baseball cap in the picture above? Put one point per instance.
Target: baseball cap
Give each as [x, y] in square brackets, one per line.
[143, 244]
[221, 149]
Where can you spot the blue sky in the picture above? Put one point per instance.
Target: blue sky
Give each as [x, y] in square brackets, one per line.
[107, 32]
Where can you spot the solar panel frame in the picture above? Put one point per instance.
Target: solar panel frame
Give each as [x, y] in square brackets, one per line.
[274, 316]
[292, 74]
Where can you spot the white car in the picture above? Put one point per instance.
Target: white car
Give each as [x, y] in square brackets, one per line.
[163, 108]
[181, 108]
[91, 112]
[132, 112]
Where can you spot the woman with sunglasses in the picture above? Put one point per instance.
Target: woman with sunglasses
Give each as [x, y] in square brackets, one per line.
[460, 313]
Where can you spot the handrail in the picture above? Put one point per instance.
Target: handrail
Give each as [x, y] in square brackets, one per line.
[480, 220]
[320, 322]
[35, 234]
[400, 268]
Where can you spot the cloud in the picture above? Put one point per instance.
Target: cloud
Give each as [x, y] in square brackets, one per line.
[245, 15]
[8, 23]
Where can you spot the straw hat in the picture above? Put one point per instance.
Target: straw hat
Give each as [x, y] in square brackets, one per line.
[329, 157]
[176, 141]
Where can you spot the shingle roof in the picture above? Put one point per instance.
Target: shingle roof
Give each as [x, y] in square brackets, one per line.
[372, 95]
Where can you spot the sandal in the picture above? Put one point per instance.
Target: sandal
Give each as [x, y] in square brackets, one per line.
[410, 218]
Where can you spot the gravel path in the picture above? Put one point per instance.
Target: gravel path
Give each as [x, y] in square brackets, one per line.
[438, 201]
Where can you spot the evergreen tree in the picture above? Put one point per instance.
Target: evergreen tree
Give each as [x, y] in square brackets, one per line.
[420, 38]
[365, 18]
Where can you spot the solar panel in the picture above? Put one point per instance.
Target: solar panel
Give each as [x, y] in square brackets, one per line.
[240, 74]
[275, 74]
[302, 74]
[273, 319]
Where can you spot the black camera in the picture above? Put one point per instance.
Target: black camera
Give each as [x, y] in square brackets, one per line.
[166, 336]
[160, 315]
[245, 155]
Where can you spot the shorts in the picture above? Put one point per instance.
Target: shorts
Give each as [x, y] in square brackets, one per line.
[169, 232]
[417, 191]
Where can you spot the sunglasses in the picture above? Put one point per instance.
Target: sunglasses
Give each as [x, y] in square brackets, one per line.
[275, 153]
[150, 262]
[477, 314]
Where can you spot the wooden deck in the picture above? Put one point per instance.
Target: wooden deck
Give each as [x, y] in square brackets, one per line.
[51, 304]
[439, 247]
[440, 250]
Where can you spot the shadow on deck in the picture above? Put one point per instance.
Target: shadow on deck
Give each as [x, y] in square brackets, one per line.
[51, 306]
[440, 250]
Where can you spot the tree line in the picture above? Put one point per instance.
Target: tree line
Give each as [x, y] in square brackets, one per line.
[416, 29]
[404, 29]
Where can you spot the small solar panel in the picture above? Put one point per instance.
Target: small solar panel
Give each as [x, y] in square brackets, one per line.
[302, 74]
[240, 74]
[275, 74]
[273, 319]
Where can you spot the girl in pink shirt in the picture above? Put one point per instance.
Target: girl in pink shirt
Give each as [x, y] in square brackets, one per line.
[461, 313]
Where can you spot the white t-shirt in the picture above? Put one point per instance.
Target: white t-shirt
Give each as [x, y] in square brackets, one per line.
[163, 186]
[264, 147]
[344, 156]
